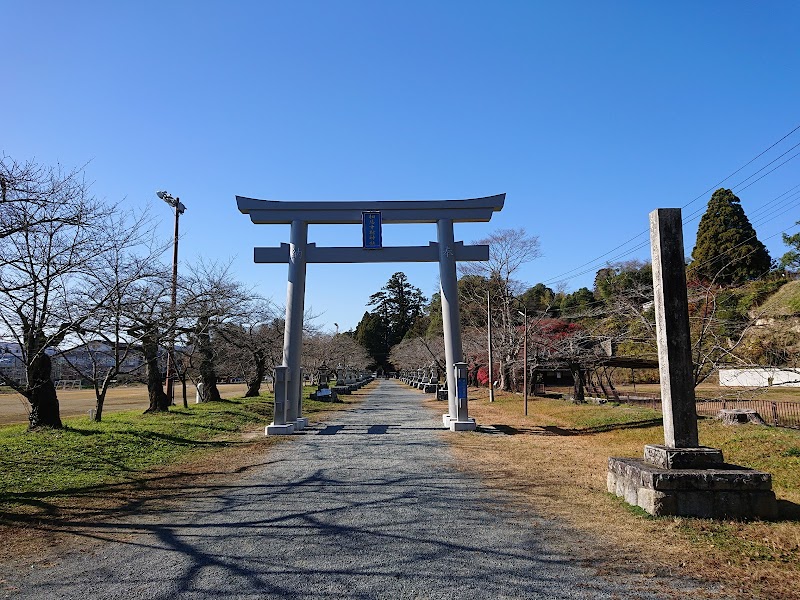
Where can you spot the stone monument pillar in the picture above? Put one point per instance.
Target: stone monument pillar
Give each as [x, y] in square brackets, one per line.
[281, 383]
[681, 477]
[300, 422]
[462, 422]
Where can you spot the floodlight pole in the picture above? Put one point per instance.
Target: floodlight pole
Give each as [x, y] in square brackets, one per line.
[179, 208]
[173, 309]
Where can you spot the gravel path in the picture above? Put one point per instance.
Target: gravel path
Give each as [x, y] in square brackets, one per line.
[367, 506]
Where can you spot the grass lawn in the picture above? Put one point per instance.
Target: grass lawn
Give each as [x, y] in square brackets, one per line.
[555, 460]
[46, 465]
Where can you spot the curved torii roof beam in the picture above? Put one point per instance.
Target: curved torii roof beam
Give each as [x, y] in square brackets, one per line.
[472, 210]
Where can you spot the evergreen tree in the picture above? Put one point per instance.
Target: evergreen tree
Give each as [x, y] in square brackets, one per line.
[540, 300]
[398, 304]
[578, 302]
[791, 260]
[371, 334]
[396, 308]
[727, 249]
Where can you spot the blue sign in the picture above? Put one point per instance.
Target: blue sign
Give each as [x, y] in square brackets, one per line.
[461, 388]
[371, 230]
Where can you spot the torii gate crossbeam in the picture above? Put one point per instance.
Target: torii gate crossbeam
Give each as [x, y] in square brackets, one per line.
[446, 251]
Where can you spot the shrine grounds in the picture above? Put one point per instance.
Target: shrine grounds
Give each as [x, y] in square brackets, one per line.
[555, 461]
[552, 462]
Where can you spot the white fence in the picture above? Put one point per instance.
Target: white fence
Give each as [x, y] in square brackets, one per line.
[759, 377]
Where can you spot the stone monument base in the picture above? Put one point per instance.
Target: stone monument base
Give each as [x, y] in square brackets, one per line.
[468, 425]
[692, 482]
[273, 429]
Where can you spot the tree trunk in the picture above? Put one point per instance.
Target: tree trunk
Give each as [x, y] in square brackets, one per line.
[41, 393]
[208, 375]
[254, 384]
[100, 396]
[578, 383]
[98, 408]
[505, 376]
[159, 401]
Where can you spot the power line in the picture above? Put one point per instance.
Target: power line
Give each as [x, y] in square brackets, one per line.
[686, 221]
[580, 269]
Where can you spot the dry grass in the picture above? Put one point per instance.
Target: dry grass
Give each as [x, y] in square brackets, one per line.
[14, 408]
[557, 464]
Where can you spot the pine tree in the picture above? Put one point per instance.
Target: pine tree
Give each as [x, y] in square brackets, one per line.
[399, 304]
[396, 307]
[727, 249]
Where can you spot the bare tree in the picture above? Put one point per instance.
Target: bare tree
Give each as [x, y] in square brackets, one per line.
[152, 323]
[210, 297]
[509, 250]
[252, 342]
[48, 247]
[108, 346]
[416, 352]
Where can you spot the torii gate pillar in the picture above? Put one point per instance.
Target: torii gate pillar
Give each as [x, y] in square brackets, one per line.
[457, 417]
[293, 330]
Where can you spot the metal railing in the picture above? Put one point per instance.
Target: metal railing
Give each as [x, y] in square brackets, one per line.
[778, 414]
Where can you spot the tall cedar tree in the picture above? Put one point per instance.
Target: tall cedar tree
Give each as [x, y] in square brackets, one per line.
[396, 307]
[727, 249]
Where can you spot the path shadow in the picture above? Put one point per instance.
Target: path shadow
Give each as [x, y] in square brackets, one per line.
[330, 430]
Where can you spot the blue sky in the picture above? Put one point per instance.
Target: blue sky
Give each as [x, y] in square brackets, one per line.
[587, 114]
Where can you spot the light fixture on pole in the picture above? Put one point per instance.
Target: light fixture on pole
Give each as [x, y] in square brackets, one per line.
[179, 210]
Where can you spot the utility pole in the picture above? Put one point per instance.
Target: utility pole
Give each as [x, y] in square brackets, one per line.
[489, 343]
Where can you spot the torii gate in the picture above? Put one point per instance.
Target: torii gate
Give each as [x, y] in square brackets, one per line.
[298, 253]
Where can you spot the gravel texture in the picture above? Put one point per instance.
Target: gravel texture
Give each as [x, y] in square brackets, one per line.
[366, 506]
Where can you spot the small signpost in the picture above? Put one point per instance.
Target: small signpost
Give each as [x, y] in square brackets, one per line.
[371, 230]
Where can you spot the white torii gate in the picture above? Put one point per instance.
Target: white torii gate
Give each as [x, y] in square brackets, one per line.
[298, 252]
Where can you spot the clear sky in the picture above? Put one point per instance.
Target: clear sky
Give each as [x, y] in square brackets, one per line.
[587, 114]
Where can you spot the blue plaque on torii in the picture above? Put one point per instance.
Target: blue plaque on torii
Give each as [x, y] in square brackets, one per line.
[371, 230]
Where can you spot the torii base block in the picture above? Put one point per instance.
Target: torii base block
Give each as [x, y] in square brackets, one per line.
[455, 425]
[273, 429]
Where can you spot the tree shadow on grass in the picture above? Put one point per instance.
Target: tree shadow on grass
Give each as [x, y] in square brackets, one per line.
[561, 431]
[135, 488]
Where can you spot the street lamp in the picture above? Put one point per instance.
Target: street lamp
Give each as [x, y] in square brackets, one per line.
[179, 210]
